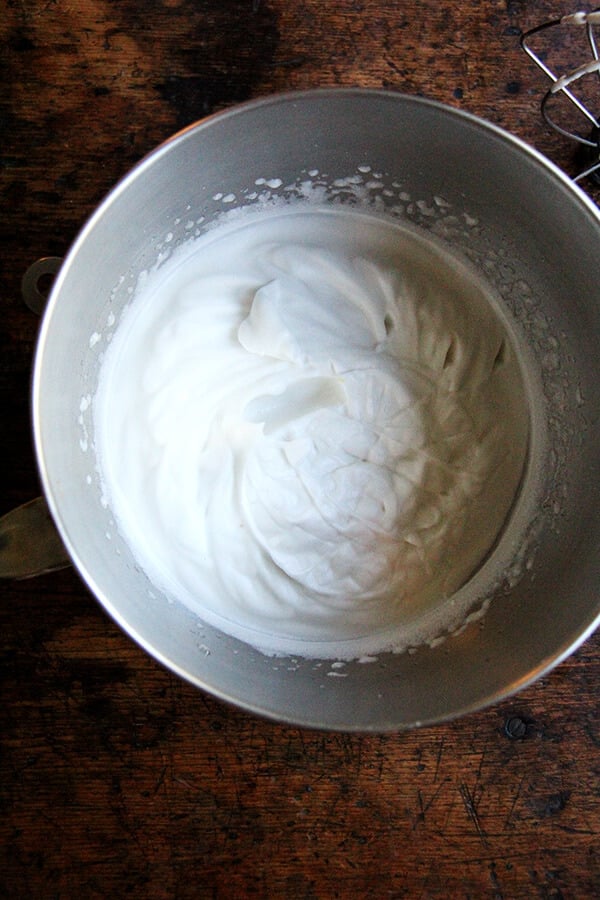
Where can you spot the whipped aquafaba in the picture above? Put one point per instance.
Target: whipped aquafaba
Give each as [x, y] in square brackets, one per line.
[311, 426]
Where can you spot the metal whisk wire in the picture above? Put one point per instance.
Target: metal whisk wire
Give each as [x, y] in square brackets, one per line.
[563, 84]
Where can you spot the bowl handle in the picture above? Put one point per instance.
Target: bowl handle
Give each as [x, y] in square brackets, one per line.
[29, 542]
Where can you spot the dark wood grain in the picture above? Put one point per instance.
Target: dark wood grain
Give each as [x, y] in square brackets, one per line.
[117, 779]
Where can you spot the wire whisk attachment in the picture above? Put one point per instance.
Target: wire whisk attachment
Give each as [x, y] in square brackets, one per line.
[568, 85]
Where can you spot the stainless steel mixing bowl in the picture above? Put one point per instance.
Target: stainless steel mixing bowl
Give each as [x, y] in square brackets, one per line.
[534, 236]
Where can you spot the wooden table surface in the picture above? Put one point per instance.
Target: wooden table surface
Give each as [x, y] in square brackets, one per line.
[117, 779]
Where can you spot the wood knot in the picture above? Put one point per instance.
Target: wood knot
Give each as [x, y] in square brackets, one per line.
[515, 728]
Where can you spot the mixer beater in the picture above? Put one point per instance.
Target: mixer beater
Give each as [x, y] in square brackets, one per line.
[572, 86]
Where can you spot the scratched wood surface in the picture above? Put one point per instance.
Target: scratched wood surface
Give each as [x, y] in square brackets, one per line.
[117, 779]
